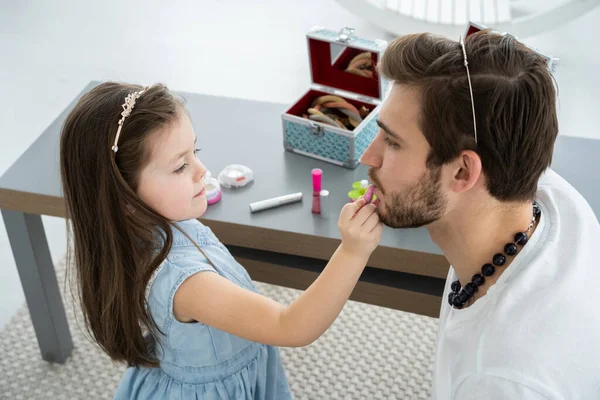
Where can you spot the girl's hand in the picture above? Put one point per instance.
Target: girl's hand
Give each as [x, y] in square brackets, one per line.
[360, 227]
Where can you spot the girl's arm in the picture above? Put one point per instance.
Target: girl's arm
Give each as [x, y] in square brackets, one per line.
[215, 301]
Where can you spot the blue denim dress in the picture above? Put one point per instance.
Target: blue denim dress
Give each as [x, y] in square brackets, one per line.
[198, 361]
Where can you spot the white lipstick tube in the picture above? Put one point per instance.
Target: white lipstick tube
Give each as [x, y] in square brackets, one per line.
[275, 202]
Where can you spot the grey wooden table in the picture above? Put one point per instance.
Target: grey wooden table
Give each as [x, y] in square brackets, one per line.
[287, 246]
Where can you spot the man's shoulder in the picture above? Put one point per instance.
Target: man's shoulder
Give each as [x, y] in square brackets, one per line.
[560, 197]
[551, 180]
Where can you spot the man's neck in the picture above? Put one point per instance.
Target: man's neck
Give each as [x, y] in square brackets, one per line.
[471, 236]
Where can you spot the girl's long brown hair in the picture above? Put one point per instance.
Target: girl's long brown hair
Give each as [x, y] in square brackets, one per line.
[116, 248]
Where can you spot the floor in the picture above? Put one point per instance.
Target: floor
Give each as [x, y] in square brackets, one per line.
[246, 49]
[369, 352]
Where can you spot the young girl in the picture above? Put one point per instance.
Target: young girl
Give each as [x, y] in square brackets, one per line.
[157, 288]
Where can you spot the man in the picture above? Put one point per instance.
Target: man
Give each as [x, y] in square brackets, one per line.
[467, 135]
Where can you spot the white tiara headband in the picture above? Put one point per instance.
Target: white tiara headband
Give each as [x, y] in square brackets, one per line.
[464, 51]
[127, 108]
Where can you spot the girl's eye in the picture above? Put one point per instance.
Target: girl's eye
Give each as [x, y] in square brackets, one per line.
[390, 143]
[184, 166]
[181, 169]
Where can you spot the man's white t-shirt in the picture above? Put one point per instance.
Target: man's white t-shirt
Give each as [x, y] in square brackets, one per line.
[536, 333]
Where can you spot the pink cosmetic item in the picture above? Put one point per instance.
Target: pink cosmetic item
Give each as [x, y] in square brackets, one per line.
[213, 190]
[316, 203]
[369, 194]
[316, 206]
[317, 178]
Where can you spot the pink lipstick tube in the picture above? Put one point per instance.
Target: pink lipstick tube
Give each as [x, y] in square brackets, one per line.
[317, 180]
[369, 194]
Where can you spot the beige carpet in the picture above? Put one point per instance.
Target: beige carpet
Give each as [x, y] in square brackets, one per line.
[369, 353]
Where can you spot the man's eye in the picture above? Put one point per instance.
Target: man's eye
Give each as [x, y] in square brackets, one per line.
[389, 142]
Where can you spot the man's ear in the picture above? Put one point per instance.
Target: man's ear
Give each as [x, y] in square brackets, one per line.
[466, 171]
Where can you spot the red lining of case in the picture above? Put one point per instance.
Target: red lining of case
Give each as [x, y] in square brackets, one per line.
[335, 76]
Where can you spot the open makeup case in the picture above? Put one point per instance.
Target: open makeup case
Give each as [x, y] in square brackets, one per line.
[335, 120]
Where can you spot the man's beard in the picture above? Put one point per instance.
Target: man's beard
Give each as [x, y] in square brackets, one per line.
[415, 205]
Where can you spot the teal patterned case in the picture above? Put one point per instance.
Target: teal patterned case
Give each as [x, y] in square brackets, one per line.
[327, 143]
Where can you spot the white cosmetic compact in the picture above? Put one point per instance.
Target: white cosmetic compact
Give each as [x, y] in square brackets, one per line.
[235, 176]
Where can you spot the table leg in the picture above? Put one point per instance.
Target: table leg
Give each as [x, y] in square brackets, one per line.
[32, 256]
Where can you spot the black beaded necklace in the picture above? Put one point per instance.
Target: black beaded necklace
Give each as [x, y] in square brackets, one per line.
[458, 298]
